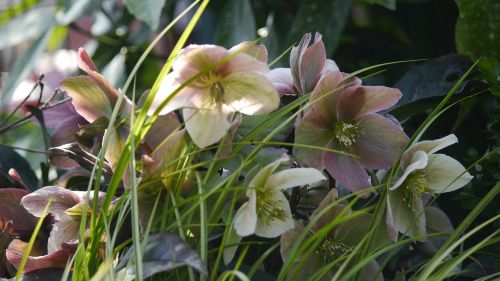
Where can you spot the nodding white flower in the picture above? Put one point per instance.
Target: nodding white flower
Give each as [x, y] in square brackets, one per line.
[267, 212]
[229, 81]
[424, 171]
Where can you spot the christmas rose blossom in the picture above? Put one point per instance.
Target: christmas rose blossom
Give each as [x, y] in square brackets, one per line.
[227, 81]
[343, 116]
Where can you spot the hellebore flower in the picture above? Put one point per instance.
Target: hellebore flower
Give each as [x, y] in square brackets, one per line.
[94, 99]
[66, 207]
[308, 64]
[424, 171]
[267, 212]
[338, 243]
[209, 102]
[342, 115]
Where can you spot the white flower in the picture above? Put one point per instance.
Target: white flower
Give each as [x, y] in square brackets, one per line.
[209, 102]
[424, 171]
[267, 212]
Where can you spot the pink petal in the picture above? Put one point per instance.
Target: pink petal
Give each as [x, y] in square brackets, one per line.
[347, 171]
[356, 102]
[311, 65]
[296, 57]
[61, 200]
[257, 51]
[161, 129]
[380, 142]
[195, 58]
[307, 134]
[282, 81]
[57, 259]
[243, 63]
[11, 209]
[326, 94]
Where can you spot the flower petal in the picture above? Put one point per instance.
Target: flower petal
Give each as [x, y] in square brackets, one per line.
[61, 200]
[325, 96]
[250, 93]
[445, 174]
[161, 129]
[347, 171]
[196, 58]
[261, 178]
[294, 177]
[232, 241]
[312, 63]
[429, 146]
[64, 230]
[257, 51]
[418, 162]
[359, 101]
[167, 87]
[379, 143]
[206, 126]
[273, 227]
[306, 134]
[282, 81]
[409, 216]
[89, 99]
[245, 219]
[296, 57]
[289, 238]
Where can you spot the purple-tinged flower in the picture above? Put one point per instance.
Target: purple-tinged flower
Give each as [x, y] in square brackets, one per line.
[66, 207]
[210, 101]
[307, 65]
[342, 115]
[424, 171]
[337, 244]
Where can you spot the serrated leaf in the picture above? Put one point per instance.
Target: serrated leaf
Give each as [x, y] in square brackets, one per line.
[148, 11]
[236, 23]
[432, 78]
[163, 252]
[25, 63]
[324, 16]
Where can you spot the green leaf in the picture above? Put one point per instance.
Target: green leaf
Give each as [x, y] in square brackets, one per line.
[148, 11]
[324, 16]
[26, 27]
[389, 4]
[163, 252]
[11, 160]
[432, 78]
[236, 23]
[25, 63]
[477, 32]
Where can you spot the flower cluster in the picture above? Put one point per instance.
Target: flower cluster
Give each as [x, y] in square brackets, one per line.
[343, 137]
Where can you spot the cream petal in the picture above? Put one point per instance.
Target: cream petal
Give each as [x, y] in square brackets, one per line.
[409, 217]
[418, 162]
[245, 219]
[232, 241]
[294, 177]
[257, 51]
[429, 146]
[445, 174]
[65, 229]
[250, 93]
[273, 227]
[261, 178]
[167, 87]
[282, 81]
[206, 126]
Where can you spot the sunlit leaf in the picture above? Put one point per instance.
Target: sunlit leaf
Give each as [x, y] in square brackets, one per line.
[148, 11]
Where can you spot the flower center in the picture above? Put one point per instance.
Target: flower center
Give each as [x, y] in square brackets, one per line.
[346, 133]
[331, 250]
[268, 208]
[414, 186]
[217, 93]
